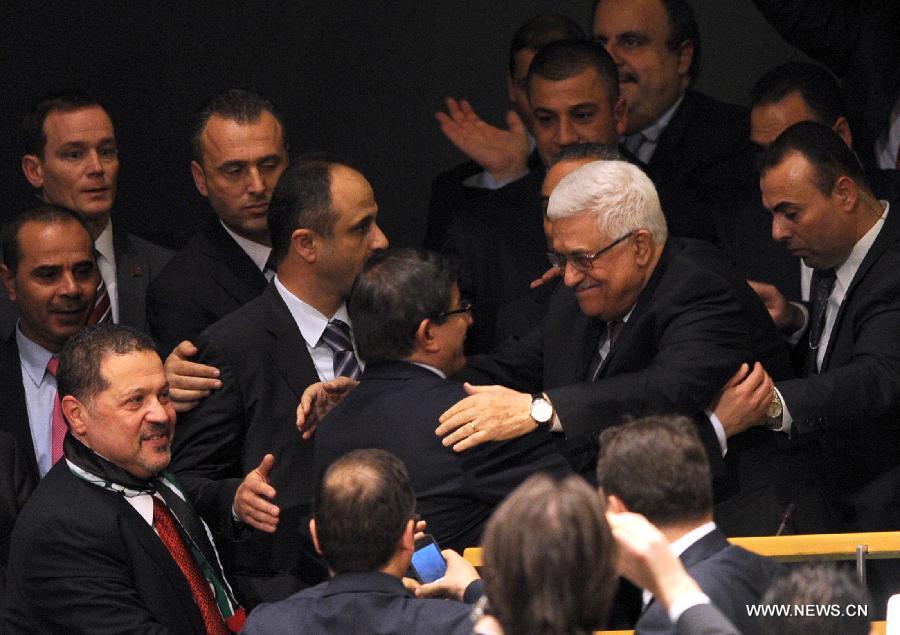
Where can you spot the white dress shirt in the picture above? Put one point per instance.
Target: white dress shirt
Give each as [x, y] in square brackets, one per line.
[312, 324]
[259, 254]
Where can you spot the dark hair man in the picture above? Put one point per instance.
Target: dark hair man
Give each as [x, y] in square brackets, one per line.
[693, 147]
[71, 159]
[322, 219]
[49, 273]
[109, 541]
[497, 156]
[847, 399]
[657, 467]
[819, 585]
[239, 150]
[785, 95]
[410, 324]
[499, 238]
[362, 524]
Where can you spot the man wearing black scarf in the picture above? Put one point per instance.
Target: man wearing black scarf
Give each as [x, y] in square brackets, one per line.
[108, 542]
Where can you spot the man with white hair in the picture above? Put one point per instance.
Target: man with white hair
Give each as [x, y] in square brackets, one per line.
[639, 327]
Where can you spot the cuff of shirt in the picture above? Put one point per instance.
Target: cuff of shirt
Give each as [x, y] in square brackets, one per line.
[683, 603]
[720, 431]
[483, 180]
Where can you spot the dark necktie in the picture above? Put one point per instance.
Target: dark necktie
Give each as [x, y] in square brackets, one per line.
[164, 524]
[58, 425]
[612, 334]
[821, 287]
[102, 312]
[271, 267]
[337, 336]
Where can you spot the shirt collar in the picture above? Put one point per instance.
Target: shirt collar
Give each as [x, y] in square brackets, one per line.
[654, 130]
[681, 545]
[850, 266]
[104, 244]
[310, 322]
[259, 254]
[34, 357]
[436, 371]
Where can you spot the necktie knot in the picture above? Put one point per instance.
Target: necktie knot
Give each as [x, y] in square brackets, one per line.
[337, 336]
[53, 365]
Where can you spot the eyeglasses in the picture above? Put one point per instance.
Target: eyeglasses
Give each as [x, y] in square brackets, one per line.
[464, 307]
[582, 262]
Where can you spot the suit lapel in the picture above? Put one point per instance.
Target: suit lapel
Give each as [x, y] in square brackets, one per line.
[887, 237]
[286, 345]
[132, 278]
[236, 274]
[13, 408]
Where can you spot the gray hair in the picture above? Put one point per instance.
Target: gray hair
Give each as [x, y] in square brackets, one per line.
[618, 193]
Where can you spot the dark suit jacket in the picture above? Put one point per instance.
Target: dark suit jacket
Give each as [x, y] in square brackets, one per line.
[16, 484]
[851, 408]
[14, 418]
[84, 561]
[396, 408]
[686, 336]
[704, 619]
[359, 603]
[732, 577]
[265, 367]
[138, 261]
[208, 279]
[497, 239]
[449, 197]
[860, 43]
[700, 158]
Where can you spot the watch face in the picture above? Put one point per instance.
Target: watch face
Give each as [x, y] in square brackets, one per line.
[774, 409]
[541, 411]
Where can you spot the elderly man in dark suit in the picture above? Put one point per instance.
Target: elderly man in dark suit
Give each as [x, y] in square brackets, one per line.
[71, 159]
[638, 327]
[657, 467]
[239, 151]
[848, 342]
[410, 326]
[109, 542]
[322, 219]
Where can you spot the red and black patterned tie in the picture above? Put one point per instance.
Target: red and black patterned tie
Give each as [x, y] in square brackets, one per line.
[200, 589]
[102, 312]
[58, 426]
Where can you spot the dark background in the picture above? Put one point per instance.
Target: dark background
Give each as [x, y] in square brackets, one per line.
[359, 79]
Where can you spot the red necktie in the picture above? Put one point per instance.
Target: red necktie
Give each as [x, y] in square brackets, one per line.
[203, 596]
[58, 427]
[102, 311]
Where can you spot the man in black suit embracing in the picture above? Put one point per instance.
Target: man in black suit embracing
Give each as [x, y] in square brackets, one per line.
[322, 219]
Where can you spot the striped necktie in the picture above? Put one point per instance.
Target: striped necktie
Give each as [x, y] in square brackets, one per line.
[102, 312]
[337, 336]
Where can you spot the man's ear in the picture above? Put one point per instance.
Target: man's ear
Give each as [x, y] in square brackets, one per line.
[407, 540]
[199, 178]
[842, 128]
[615, 504]
[643, 247]
[9, 282]
[846, 191]
[510, 88]
[425, 339]
[33, 168]
[685, 57]
[305, 243]
[75, 413]
[315, 536]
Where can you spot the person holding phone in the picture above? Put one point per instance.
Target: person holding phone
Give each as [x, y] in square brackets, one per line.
[363, 526]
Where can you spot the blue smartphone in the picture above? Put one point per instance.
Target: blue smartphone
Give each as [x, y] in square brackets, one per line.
[428, 564]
